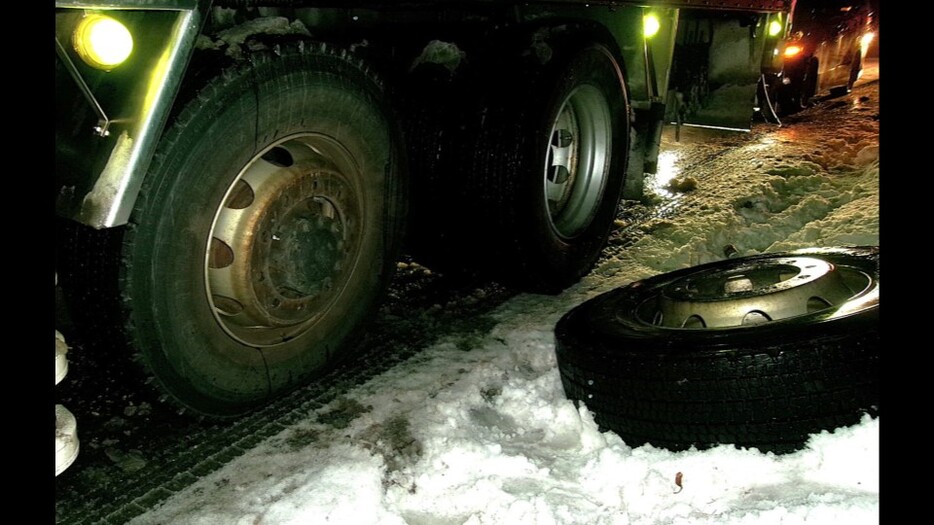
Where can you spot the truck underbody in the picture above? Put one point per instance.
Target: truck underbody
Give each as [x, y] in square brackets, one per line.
[233, 197]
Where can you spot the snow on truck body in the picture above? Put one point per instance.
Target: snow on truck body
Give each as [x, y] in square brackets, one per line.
[135, 109]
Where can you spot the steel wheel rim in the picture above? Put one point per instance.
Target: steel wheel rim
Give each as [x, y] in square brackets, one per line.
[757, 292]
[294, 215]
[577, 161]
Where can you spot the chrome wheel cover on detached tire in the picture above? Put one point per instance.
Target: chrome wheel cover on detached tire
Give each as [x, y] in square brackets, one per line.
[753, 292]
[296, 219]
[760, 351]
[577, 159]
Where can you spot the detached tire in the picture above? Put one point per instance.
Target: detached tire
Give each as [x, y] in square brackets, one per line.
[690, 358]
[266, 230]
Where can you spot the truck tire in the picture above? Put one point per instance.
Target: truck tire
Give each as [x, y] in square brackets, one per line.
[531, 178]
[550, 166]
[856, 67]
[799, 94]
[689, 358]
[265, 231]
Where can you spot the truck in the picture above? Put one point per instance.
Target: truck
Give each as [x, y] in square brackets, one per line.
[823, 53]
[236, 179]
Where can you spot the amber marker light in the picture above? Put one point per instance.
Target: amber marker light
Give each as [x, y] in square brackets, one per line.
[792, 51]
[775, 27]
[102, 42]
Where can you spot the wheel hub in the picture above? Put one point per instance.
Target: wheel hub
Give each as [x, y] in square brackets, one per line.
[577, 160]
[305, 251]
[299, 254]
[753, 293]
[283, 244]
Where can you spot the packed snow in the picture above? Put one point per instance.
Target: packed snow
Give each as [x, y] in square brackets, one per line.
[477, 430]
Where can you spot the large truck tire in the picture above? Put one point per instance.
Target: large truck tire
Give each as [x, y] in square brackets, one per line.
[856, 68]
[530, 179]
[265, 232]
[799, 94]
[690, 358]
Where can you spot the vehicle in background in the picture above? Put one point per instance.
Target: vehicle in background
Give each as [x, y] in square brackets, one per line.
[824, 51]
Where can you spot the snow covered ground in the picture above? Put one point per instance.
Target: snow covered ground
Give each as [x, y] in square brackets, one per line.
[477, 430]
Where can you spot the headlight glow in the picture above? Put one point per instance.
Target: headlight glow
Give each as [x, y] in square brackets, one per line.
[865, 41]
[650, 25]
[102, 42]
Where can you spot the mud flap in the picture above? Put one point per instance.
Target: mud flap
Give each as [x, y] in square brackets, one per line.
[717, 66]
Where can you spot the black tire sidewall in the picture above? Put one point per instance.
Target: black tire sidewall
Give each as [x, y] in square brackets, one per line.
[811, 83]
[238, 115]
